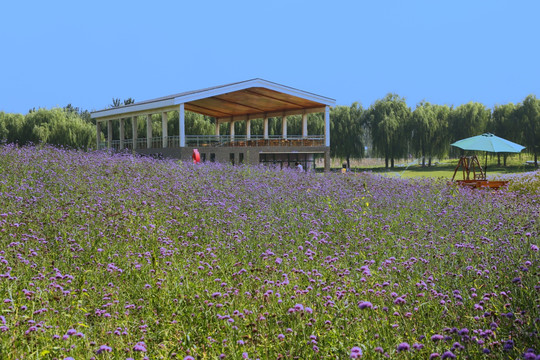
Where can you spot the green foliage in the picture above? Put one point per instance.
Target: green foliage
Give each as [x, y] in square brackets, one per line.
[429, 130]
[529, 114]
[468, 120]
[56, 126]
[387, 119]
[346, 130]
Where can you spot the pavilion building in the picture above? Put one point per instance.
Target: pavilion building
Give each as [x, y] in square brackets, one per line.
[243, 101]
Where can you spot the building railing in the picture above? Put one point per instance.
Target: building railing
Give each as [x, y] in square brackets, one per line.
[219, 141]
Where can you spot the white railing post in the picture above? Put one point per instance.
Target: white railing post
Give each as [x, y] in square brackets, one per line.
[327, 126]
[98, 134]
[134, 128]
[149, 131]
[304, 126]
[265, 125]
[164, 123]
[109, 134]
[182, 125]
[122, 133]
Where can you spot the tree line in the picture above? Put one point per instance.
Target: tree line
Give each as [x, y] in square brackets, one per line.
[388, 128]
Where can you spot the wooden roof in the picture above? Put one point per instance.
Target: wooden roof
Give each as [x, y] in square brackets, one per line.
[251, 97]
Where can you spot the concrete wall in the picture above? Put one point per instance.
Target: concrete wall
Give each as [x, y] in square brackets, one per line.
[223, 153]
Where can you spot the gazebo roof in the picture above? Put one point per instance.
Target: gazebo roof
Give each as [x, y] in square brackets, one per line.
[253, 98]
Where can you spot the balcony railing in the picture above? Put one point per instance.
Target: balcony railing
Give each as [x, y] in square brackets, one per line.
[220, 141]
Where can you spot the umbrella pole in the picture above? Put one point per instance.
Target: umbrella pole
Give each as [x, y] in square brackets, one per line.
[485, 168]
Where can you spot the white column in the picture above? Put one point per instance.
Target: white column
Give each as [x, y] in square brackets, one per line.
[122, 133]
[98, 133]
[265, 126]
[149, 131]
[284, 127]
[248, 129]
[231, 127]
[304, 126]
[327, 126]
[182, 125]
[134, 128]
[217, 127]
[109, 134]
[164, 122]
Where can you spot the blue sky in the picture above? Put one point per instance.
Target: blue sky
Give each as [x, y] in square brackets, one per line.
[445, 52]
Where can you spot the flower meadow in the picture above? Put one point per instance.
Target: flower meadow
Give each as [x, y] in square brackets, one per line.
[120, 257]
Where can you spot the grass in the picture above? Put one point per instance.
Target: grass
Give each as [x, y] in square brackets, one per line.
[445, 169]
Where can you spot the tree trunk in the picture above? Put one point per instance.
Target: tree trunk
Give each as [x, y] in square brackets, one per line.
[504, 159]
[429, 162]
[498, 159]
[386, 161]
[392, 162]
[348, 161]
[536, 160]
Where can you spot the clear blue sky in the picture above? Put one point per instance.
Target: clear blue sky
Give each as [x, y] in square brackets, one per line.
[443, 51]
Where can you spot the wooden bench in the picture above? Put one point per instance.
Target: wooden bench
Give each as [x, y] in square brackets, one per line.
[478, 184]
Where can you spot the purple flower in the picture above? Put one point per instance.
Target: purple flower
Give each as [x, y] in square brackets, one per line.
[281, 336]
[140, 346]
[189, 357]
[448, 355]
[299, 307]
[437, 337]
[103, 348]
[434, 356]
[356, 352]
[403, 347]
[365, 305]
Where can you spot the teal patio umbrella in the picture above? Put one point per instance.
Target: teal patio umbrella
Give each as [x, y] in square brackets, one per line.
[489, 143]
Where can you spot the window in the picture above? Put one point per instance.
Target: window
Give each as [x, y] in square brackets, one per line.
[231, 157]
[203, 157]
[241, 158]
[212, 157]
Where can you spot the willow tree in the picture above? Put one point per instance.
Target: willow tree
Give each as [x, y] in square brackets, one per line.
[529, 114]
[387, 118]
[504, 123]
[468, 120]
[429, 131]
[346, 132]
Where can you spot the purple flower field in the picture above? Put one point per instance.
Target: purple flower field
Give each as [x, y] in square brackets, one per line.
[121, 257]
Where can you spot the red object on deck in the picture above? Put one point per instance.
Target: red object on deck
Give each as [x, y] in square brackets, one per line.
[196, 156]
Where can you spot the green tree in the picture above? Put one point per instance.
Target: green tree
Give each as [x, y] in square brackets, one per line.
[428, 127]
[529, 115]
[387, 119]
[346, 132]
[504, 123]
[57, 127]
[468, 120]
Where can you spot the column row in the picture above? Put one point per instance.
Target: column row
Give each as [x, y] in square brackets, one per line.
[134, 128]
[265, 127]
